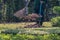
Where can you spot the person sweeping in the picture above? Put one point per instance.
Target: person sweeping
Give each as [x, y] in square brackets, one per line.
[39, 9]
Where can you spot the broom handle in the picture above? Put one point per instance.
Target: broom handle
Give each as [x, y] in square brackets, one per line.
[26, 6]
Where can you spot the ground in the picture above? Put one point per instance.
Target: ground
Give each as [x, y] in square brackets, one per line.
[23, 24]
[42, 30]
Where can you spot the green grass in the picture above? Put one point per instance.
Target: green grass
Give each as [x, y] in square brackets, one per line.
[47, 24]
[16, 25]
[29, 37]
[22, 24]
[51, 30]
[42, 30]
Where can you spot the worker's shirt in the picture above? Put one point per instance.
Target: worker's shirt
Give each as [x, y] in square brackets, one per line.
[38, 8]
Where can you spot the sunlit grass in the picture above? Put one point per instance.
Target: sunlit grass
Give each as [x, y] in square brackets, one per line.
[22, 25]
[47, 24]
[16, 25]
[41, 30]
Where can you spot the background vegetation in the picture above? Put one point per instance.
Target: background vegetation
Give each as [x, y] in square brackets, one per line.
[16, 31]
[9, 7]
[29, 37]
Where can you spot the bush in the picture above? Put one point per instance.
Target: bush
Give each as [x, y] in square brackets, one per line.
[56, 21]
[56, 10]
[29, 37]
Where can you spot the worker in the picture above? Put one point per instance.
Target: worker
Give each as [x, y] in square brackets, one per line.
[39, 6]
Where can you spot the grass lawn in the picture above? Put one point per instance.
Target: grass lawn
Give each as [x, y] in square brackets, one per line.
[40, 30]
[50, 30]
[22, 24]
[16, 25]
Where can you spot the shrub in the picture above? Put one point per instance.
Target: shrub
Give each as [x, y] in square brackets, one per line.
[29, 37]
[56, 10]
[56, 21]
[31, 17]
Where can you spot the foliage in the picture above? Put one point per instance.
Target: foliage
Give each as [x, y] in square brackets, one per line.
[56, 21]
[29, 37]
[56, 9]
[31, 17]
[9, 7]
